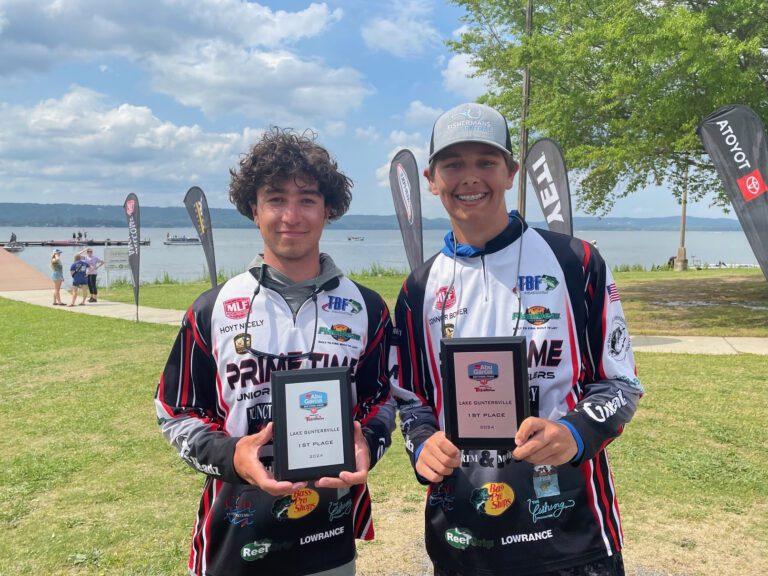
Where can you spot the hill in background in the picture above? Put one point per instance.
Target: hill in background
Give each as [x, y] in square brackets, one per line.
[93, 216]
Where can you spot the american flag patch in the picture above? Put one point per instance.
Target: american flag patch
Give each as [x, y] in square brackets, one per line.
[613, 293]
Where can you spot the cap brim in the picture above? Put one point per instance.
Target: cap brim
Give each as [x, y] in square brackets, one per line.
[487, 142]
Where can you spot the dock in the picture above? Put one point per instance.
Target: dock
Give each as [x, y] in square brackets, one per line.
[74, 243]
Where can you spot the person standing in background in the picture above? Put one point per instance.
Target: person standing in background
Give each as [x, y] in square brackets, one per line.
[57, 275]
[94, 263]
[79, 280]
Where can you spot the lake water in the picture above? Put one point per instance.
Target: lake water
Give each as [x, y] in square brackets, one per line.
[235, 248]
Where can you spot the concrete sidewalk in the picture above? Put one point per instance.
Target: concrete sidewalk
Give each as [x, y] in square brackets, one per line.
[100, 308]
[670, 344]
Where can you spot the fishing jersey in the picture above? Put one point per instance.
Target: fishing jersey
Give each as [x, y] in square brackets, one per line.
[209, 396]
[495, 515]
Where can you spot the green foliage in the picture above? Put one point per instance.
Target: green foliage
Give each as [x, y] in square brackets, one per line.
[621, 85]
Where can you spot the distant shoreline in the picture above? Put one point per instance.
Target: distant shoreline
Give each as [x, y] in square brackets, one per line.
[84, 216]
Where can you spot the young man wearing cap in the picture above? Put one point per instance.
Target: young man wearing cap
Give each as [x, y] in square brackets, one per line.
[293, 309]
[94, 263]
[548, 507]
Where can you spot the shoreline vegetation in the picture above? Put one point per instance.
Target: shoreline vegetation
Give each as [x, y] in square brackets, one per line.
[90, 487]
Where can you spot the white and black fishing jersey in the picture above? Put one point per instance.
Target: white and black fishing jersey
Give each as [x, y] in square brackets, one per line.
[494, 515]
[210, 396]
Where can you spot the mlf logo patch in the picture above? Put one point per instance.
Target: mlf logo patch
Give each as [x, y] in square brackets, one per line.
[443, 302]
[237, 308]
[752, 185]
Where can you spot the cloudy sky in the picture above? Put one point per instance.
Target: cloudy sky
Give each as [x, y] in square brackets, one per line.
[102, 98]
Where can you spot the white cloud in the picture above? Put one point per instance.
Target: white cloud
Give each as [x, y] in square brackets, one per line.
[334, 129]
[220, 56]
[456, 78]
[419, 113]
[277, 86]
[368, 133]
[402, 138]
[405, 32]
[82, 148]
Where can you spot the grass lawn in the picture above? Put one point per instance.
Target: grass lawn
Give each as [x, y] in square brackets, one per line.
[90, 487]
[731, 302]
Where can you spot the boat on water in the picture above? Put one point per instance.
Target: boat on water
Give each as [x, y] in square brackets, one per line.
[174, 240]
[355, 238]
[13, 247]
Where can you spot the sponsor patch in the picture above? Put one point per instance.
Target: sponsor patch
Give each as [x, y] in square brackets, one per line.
[443, 302]
[537, 315]
[342, 305]
[340, 332]
[618, 339]
[461, 539]
[537, 284]
[296, 505]
[492, 499]
[601, 412]
[542, 510]
[236, 308]
[240, 512]
[545, 482]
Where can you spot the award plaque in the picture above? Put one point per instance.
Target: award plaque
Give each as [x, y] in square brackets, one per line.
[485, 388]
[313, 434]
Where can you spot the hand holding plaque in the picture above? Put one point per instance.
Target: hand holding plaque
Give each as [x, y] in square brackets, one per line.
[485, 384]
[312, 418]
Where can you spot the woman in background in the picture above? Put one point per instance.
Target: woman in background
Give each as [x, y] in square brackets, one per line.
[57, 275]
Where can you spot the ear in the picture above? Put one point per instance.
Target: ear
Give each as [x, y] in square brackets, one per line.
[255, 214]
[432, 186]
[511, 177]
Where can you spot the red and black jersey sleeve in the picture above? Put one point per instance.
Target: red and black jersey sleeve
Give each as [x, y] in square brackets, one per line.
[187, 398]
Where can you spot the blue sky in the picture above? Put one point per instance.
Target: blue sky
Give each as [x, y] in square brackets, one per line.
[102, 98]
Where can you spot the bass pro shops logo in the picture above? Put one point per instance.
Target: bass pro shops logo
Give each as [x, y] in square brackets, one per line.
[752, 185]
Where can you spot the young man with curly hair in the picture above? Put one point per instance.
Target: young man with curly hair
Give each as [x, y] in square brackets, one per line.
[292, 309]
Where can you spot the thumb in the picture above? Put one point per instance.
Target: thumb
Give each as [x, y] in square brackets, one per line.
[527, 429]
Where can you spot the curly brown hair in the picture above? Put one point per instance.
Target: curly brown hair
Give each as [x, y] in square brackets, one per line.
[281, 154]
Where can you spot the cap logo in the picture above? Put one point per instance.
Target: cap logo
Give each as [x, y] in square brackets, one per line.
[468, 113]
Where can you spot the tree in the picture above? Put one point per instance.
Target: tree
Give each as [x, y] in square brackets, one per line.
[621, 85]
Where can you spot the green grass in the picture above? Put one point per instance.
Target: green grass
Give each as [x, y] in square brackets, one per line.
[731, 302]
[89, 486]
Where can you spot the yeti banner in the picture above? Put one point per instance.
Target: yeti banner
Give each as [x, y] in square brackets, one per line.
[131, 208]
[197, 208]
[546, 168]
[734, 137]
[404, 183]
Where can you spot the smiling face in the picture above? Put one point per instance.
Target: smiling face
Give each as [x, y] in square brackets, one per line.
[471, 178]
[291, 214]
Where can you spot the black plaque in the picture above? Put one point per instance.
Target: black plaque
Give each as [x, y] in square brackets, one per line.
[312, 431]
[485, 388]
